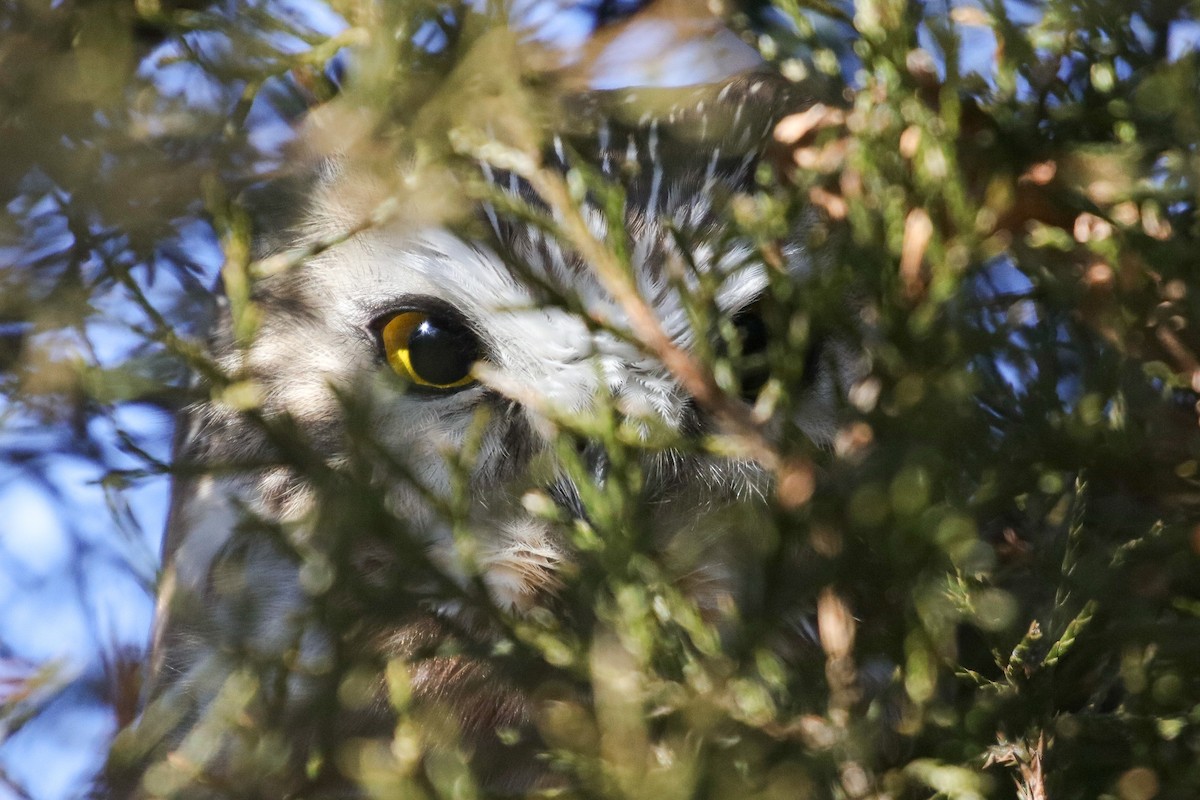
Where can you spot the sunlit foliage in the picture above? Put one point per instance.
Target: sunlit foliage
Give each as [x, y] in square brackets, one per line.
[987, 586]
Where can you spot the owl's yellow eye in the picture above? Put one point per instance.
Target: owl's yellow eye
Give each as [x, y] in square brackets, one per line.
[431, 350]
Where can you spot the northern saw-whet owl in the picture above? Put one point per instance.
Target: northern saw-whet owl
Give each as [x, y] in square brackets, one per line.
[402, 450]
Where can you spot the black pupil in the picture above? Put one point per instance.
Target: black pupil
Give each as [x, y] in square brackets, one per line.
[441, 352]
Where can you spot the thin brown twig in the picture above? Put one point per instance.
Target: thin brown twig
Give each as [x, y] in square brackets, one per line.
[734, 415]
[1029, 761]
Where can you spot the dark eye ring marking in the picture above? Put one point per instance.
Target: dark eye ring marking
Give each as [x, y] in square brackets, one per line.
[753, 339]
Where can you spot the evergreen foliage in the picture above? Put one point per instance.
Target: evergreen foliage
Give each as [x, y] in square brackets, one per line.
[988, 586]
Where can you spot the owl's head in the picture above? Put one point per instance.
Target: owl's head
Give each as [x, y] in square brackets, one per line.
[483, 346]
[488, 379]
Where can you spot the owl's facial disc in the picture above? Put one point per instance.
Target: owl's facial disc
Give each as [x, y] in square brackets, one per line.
[432, 350]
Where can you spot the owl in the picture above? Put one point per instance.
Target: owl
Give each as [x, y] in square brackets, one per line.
[396, 455]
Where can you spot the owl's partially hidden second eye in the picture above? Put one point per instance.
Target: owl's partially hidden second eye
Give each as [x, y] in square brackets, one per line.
[403, 457]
